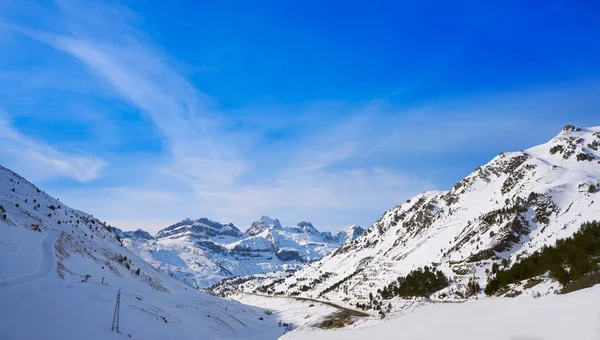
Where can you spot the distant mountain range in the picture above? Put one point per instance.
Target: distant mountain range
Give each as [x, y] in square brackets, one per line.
[202, 252]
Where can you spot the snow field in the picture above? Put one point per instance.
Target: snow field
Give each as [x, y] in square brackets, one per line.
[555, 317]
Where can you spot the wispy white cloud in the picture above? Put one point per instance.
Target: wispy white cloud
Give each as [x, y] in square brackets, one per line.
[143, 77]
[44, 160]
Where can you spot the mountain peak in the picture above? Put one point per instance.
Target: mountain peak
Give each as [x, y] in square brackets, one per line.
[263, 224]
[137, 234]
[572, 145]
[571, 128]
[306, 227]
[349, 233]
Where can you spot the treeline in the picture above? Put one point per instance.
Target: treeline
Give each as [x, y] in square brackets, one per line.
[568, 260]
[339, 283]
[419, 282]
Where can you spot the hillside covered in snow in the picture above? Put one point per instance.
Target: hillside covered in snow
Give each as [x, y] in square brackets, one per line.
[61, 269]
[502, 212]
[203, 252]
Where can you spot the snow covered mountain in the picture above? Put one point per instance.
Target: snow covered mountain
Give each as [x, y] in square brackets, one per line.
[60, 270]
[507, 209]
[203, 252]
[201, 228]
[132, 234]
[348, 234]
[263, 224]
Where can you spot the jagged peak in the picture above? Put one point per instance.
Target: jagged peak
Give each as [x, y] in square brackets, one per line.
[270, 221]
[571, 128]
[263, 224]
[572, 145]
[306, 227]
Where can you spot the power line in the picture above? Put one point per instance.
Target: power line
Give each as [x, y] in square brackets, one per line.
[115, 323]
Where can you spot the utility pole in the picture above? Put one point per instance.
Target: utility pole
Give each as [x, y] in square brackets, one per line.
[475, 286]
[115, 324]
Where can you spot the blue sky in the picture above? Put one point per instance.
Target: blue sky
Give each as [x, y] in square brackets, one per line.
[146, 112]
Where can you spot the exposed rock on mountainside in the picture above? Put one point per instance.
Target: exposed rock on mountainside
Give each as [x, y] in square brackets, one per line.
[200, 228]
[139, 233]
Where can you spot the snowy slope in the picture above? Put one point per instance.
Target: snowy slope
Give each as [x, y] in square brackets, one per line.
[202, 252]
[555, 317]
[510, 207]
[48, 250]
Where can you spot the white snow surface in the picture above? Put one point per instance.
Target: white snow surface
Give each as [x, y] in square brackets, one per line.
[555, 317]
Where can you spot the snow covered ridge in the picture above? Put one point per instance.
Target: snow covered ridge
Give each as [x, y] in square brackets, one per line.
[203, 228]
[504, 210]
[63, 268]
[203, 252]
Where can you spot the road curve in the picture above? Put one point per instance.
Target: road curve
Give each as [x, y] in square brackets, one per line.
[47, 263]
[352, 312]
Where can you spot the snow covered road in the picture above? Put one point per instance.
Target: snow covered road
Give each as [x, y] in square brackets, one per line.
[301, 312]
[47, 263]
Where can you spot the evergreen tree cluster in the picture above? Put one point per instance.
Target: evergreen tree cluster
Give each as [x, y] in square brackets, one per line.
[569, 259]
[375, 305]
[419, 282]
[337, 284]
